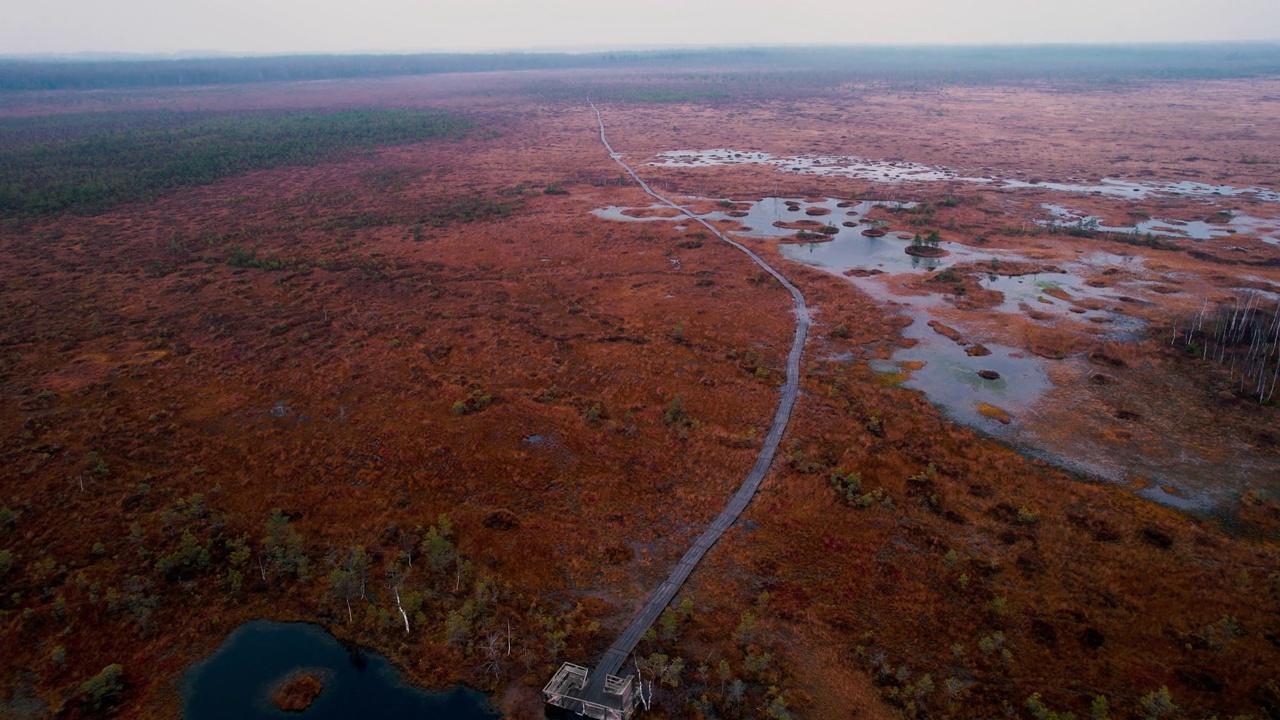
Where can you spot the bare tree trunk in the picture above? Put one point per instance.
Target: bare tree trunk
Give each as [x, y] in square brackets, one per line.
[1275, 375]
[640, 685]
[401, 609]
[1226, 334]
[1200, 324]
[349, 618]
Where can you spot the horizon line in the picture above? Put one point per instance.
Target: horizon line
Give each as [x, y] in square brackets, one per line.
[214, 54]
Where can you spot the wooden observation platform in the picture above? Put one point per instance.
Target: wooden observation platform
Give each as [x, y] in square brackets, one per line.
[600, 696]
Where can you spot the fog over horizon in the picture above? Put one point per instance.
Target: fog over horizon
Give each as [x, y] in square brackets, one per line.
[256, 27]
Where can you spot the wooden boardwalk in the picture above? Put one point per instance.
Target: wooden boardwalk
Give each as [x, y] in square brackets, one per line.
[617, 653]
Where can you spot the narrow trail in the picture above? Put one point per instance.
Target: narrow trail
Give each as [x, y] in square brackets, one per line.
[617, 654]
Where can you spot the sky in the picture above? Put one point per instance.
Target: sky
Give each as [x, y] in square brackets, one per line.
[323, 26]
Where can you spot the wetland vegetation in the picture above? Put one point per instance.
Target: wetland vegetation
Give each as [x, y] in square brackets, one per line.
[363, 364]
[88, 163]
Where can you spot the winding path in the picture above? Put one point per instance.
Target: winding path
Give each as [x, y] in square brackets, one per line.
[617, 654]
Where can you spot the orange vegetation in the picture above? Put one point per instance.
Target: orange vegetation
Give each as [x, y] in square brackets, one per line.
[297, 692]
[580, 396]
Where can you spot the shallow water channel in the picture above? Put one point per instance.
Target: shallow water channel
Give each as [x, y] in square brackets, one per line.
[238, 679]
[886, 171]
[1028, 389]
[940, 367]
[1268, 231]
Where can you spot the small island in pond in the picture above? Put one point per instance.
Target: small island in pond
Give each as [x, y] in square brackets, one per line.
[297, 691]
[926, 246]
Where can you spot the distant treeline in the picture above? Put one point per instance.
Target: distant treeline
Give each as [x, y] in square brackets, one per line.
[91, 163]
[943, 64]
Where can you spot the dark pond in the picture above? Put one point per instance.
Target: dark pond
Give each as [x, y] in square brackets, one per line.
[238, 679]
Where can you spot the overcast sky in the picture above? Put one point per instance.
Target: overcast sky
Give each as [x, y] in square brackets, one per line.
[291, 26]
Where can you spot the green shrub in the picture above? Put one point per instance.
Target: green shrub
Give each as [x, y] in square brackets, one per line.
[877, 496]
[1040, 711]
[991, 643]
[847, 485]
[437, 547]
[1217, 635]
[188, 555]
[1157, 704]
[283, 548]
[103, 690]
[477, 401]
[676, 416]
[874, 426]
[744, 633]
[1098, 709]
[95, 464]
[949, 275]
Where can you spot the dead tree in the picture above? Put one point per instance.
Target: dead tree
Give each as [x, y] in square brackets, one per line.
[1243, 337]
